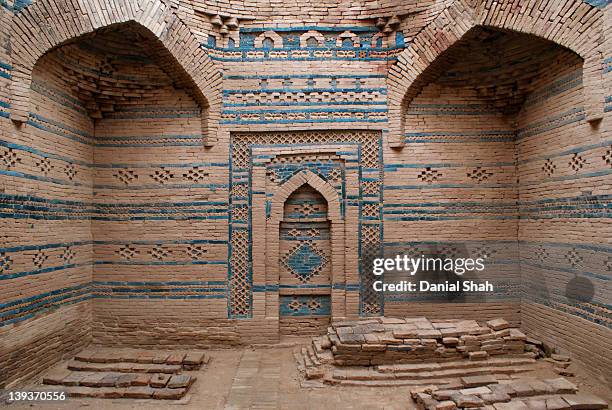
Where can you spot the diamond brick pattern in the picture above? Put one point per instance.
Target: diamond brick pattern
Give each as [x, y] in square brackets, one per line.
[479, 175]
[71, 171]
[305, 261]
[68, 255]
[196, 174]
[577, 162]
[196, 252]
[9, 158]
[607, 157]
[162, 175]
[305, 305]
[44, 165]
[5, 262]
[429, 175]
[484, 252]
[573, 258]
[126, 176]
[127, 252]
[160, 252]
[549, 167]
[39, 258]
[541, 254]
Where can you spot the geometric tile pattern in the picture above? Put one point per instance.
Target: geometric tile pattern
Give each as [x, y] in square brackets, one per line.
[368, 151]
[304, 261]
[311, 305]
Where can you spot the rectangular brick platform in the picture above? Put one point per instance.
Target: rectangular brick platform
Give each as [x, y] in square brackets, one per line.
[136, 374]
[526, 393]
[393, 340]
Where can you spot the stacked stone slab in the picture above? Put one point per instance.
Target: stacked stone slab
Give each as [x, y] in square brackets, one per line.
[392, 340]
[415, 352]
[526, 393]
[128, 374]
[447, 374]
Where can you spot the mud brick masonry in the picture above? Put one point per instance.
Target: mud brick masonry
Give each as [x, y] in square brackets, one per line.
[184, 174]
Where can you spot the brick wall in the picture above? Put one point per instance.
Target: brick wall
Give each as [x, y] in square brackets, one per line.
[119, 226]
[564, 231]
[161, 205]
[451, 193]
[46, 255]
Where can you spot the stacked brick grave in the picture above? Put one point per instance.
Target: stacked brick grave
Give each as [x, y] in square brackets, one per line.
[526, 393]
[449, 364]
[128, 373]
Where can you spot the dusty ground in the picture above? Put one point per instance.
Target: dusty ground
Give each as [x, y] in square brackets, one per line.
[267, 378]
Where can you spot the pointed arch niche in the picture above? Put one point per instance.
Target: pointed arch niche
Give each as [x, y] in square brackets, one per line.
[303, 255]
[344, 168]
[305, 263]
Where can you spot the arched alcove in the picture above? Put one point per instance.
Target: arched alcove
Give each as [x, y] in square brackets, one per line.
[415, 65]
[500, 67]
[305, 263]
[311, 265]
[482, 120]
[504, 157]
[114, 70]
[113, 115]
[166, 35]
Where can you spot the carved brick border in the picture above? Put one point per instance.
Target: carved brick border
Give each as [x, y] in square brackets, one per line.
[252, 278]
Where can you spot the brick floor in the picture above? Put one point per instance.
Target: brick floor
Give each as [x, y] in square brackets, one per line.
[267, 378]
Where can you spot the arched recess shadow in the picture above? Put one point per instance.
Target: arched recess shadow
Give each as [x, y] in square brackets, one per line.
[48, 24]
[310, 178]
[407, 76]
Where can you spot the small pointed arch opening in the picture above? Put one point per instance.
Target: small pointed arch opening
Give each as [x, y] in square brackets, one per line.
[305, 202]
[305, 261]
